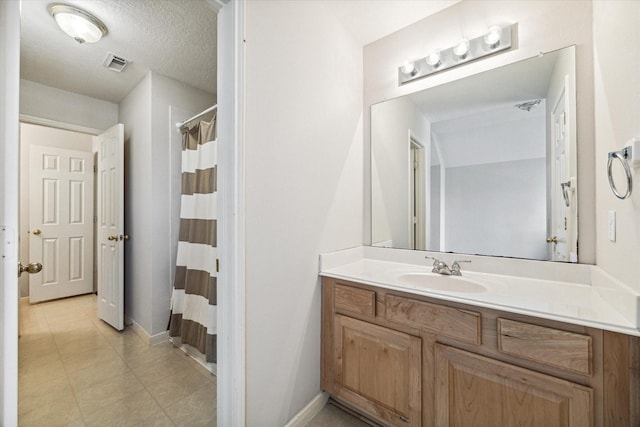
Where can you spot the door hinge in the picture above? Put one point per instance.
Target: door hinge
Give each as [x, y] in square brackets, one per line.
[217, 265]
[7, 243]
[564, 118]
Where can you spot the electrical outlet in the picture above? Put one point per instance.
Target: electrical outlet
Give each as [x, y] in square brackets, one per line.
[611, 229]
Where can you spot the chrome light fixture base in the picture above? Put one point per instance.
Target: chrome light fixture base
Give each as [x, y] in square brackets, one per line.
[478, 47]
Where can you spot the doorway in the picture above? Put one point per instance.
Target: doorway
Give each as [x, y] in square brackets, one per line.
[57, 206]
[417, 195]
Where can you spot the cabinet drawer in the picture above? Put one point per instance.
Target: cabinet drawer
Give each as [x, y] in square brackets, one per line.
[451, 322]
[355, 300]
[553, 347]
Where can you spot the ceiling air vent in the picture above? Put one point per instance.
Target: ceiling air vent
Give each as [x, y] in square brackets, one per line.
[114, 62]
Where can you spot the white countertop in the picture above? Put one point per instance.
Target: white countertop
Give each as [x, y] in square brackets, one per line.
[585, 296]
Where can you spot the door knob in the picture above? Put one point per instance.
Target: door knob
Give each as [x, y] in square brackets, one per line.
[124, 237]
[112, 237]
[553, 239]
[31, 268]
[37, 232]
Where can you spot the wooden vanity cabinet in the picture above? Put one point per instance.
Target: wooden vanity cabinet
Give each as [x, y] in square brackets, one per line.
[473, 390]
[378, 369]
[406, 360]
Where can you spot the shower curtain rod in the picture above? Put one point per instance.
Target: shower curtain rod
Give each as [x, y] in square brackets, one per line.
[181, 125]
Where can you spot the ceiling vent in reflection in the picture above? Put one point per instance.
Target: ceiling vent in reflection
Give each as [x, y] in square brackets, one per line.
[115, 63]
[529, 105]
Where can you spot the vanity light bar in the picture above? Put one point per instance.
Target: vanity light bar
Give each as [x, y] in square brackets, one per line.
[496, 39]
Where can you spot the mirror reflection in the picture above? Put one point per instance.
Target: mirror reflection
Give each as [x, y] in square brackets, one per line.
[483, 165]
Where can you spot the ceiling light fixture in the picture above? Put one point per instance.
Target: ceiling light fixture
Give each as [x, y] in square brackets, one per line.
[495, 39]
[77, 23]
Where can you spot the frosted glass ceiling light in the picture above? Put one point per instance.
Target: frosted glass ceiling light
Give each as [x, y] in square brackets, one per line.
[493, 36]
[461, 49]
[433, 59]
[78, 24]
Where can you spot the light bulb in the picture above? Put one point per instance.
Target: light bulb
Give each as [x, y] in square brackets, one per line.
[461, 49]
[78, 27]
[493, 36]
[433, 59]
[408, 68]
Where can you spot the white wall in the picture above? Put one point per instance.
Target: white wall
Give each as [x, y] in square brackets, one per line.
[303, 172]
[46, 102]
[135, 114]
[508, 198]
[152, 153]
[542, 26]
[50, 137]
[391, 165]
[617, 100]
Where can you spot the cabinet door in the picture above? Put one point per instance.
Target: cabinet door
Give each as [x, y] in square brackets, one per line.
[378, 370]
[472, 390]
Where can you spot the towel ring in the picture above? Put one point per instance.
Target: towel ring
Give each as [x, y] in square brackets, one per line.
[622, 156]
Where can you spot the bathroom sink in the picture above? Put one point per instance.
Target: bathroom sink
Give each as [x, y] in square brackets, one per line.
[439, 282]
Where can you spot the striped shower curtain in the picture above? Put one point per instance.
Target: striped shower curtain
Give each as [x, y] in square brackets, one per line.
[193, 302]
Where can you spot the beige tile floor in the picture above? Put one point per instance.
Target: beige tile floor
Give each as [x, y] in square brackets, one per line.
[75, 370]
[331, 416]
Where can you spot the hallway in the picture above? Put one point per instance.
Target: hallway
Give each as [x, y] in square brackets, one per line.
[75, 370]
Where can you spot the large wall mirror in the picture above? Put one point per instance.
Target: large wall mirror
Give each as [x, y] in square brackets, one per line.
[483, 165]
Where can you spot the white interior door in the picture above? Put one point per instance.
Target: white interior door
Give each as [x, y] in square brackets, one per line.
[9, 178]
[61, 222]
[560, 177]
[110, 232]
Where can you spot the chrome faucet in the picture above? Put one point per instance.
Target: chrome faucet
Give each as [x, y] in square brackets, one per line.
[455, 267]
[441, 267]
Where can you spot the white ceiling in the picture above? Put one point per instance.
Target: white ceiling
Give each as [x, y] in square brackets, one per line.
[175, 38]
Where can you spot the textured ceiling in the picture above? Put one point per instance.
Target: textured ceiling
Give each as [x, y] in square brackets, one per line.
[175, 38]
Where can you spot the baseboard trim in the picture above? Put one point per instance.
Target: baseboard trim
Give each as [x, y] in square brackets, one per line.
[195, 355]
[307, 413]
[159, 338]
[150, 340]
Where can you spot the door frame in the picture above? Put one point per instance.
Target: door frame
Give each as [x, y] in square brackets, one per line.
[38, 121]
[231, 316]
[9, 178]
[55, 124]
[231, 51]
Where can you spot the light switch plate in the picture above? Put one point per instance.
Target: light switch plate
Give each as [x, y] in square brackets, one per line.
[611, 226]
